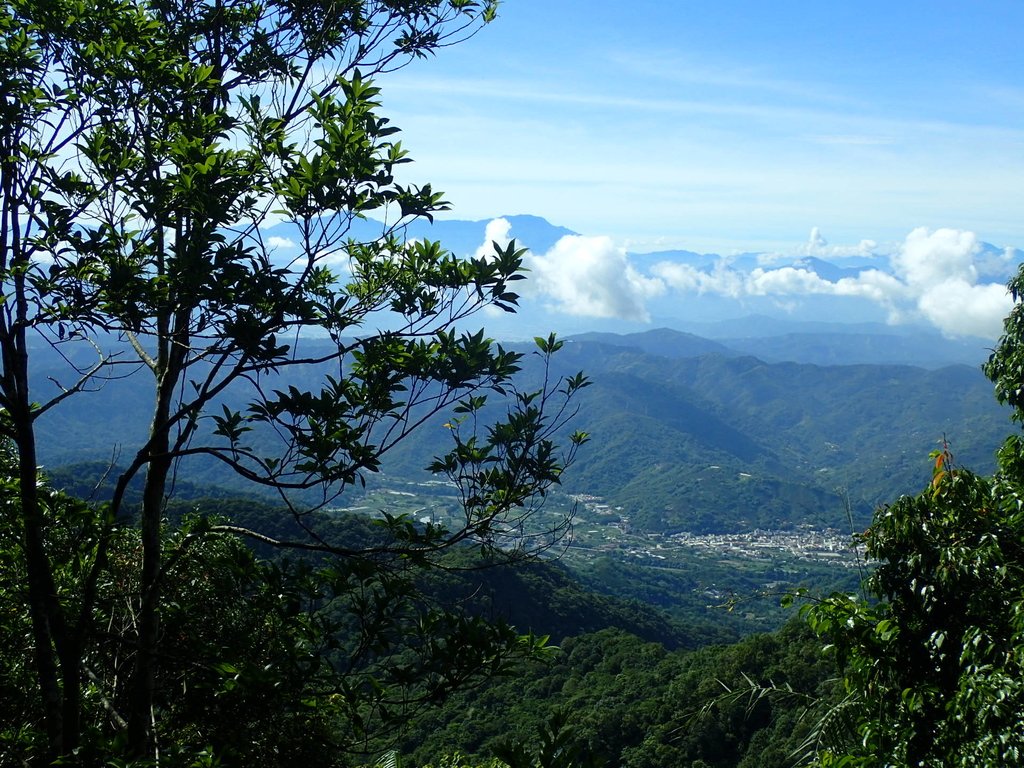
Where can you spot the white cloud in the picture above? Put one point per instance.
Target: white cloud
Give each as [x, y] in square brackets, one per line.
[587, 276]
[880, 287]
[721, 280]
[935, 278]
[819, 247]
[958, 308]
[939, 270]
[684, 278]
[929, 258]
[497, 231]
[815, 243]
[865, 248]
[786, 281]
[591, 276]
[279, 242]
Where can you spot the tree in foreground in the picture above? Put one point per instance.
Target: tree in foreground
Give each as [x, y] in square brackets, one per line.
[144, 145]
[933, 660]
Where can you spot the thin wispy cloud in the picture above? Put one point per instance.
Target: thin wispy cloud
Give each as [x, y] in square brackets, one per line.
[716, 127]
[871, 124]
[854, 140]
[670, 68]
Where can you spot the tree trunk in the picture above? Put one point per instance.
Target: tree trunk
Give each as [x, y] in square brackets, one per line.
[141, 725]
[45, 615]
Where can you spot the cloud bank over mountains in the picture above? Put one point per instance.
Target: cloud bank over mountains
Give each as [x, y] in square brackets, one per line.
[945, 277]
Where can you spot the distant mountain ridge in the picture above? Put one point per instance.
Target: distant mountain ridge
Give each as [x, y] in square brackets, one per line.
[720, 297]
[776, 341]
[661, 341]
[713, 422]
[459, 236]
[684, 435]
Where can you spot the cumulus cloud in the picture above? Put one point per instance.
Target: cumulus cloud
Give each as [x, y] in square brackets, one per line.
[935, 277]
[957, 308]
[279, 242]
[945, 277]
[722, 280]
[939, 269]
[815, 243]
[591, 276]
[584, 276]
[819, 247]
[930, 258]
[874, 284]
[497, 231]
[786, 281]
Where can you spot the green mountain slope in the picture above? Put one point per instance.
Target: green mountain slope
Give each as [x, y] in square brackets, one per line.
[700, 443]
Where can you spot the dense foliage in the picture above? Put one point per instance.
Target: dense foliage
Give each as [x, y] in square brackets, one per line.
[933, 661]
[933, 665]
[143, 146]
[632, 703]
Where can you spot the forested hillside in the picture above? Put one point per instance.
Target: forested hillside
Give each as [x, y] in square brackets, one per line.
[144, 149]
[278, 499]
[683, 439]
[633, 703]
[692, 442]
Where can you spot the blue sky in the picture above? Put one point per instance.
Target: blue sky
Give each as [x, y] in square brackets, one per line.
[729, 126]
